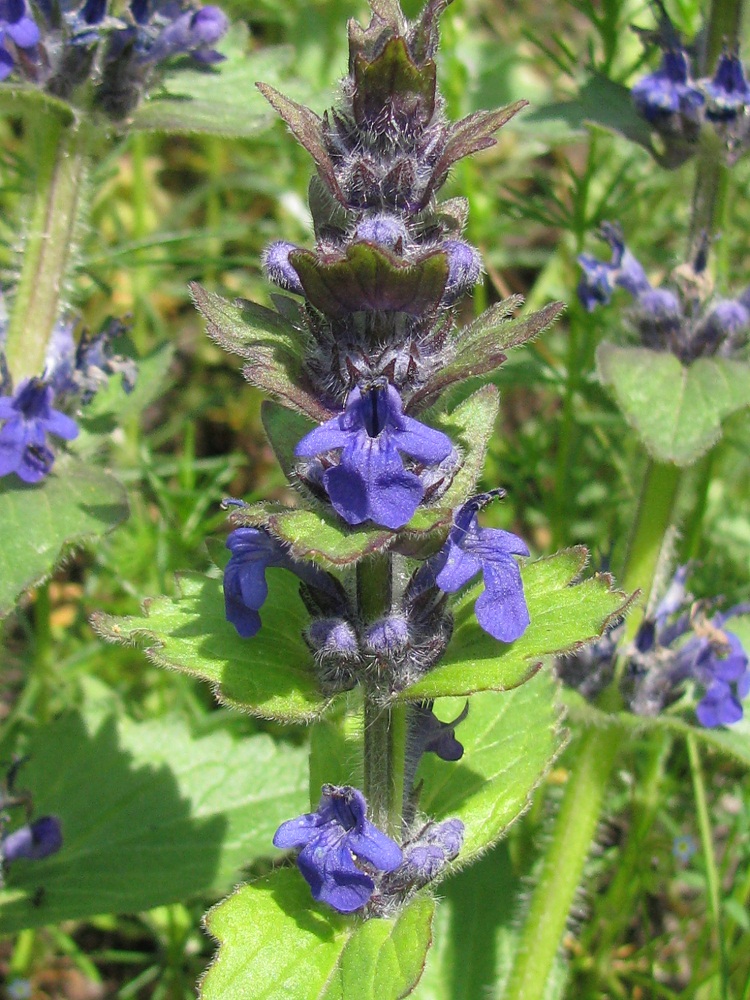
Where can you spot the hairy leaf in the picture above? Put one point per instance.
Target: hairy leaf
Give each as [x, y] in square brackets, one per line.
[269, 342]
[564, 616]
[74, 504]
[392, 80]
[510, 740]
[468, 136]
[307, 128]
[676, 410]
[481, 347]
[270, 674]
[220, 100]
[275, 943]
[150, 814]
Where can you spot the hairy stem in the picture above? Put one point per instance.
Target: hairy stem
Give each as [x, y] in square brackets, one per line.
[562, 866]
[385, 726]
[576, 822]
[61, 157]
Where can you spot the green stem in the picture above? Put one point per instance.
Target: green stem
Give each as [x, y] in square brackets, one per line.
[711, 195]
[385, 725]
[724, 27]
[563, 865]
[712, 877]
[653, 517]
[576, 822]
[61, 158]
[139, 161]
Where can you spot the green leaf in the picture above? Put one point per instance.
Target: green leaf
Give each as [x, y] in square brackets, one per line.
[319, 535]
[476, 935]
[275, 943]
[481, 346]
[269, 342]
[600, 102]
[26, 99]
[285, 429]
[564, 617]
[220, 100]
[510, 741]
[393, 80]
[74, 504]
[270, 675]
[675, 410]
[307, 128]
[150, 815]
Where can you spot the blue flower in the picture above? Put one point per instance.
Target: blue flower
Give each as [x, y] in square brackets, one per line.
[668, 91]
[430, 851]
[34, 841]
[245, 588]
[164, 29]
[429, 735]
[369, 482]
[683, 848]
[718, 667]
[29, 417]
[18, 28]
[501, 608]
[331, 838]
[600, 278]
[728, 91]
[191, 32]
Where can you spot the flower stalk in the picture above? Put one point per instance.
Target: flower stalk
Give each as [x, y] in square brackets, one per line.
[384, 726]
[62, 155]
[576, 823]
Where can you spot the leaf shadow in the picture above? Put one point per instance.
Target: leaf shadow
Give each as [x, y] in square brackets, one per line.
[130, 841]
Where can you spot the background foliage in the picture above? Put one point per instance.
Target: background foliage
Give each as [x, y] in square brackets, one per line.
[143, 763]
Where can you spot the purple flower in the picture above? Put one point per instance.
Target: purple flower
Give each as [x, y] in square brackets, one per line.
[34, 841]
[245, 588]
[501, 608]
[370, 481]
[728, 92]
[717, 671]
[191, 32]
[669, 90]
[384, 230]
[18, 28]
[29, 417]
[331, 838]
[600, 278]
[429, 735]
[425, 857]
